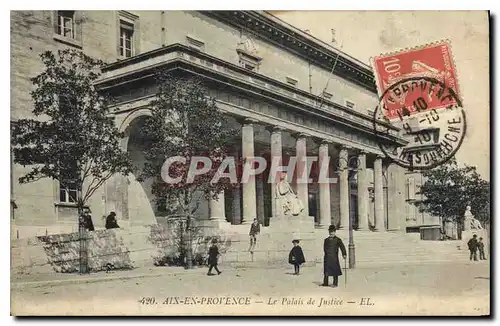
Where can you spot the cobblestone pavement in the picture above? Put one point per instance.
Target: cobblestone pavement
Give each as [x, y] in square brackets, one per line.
[426, 289]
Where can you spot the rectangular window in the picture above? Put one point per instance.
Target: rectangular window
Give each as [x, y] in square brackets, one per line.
[66, 23]
[67, 192]
[248, 61]
[195, 43]
[67, 183]
[126, 39]
[327, 95]
[292, 81]
[349, 104]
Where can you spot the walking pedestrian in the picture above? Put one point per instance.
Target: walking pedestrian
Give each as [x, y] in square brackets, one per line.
[331, 264]
[296, 257]
[473, 245]
[213, 255]
[481, 249]
[254, 231]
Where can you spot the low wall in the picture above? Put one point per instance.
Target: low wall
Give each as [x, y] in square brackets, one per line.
[138, 246]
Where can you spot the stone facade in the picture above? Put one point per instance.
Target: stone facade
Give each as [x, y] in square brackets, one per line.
[260, 70]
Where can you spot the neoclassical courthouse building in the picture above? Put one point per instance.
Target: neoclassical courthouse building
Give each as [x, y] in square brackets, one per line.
[268, 76]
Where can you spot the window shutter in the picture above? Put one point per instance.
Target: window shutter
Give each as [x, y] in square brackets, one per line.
[411, 188]
[55, 21]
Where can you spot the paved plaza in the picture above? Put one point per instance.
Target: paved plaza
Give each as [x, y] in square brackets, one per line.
[460, 288]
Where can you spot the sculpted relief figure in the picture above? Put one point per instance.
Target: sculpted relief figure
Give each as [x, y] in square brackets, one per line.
[287, 201]
[471, 221]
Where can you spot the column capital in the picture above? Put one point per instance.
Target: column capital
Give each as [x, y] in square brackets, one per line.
[343, 146]
[247, 121]
[322, 141]
[274, 128]
[298, 135]
[360, 151]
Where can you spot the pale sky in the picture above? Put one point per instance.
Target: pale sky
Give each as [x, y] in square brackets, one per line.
[364, 34]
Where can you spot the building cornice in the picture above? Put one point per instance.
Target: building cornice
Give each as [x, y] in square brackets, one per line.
[271, 29]
[177, 56]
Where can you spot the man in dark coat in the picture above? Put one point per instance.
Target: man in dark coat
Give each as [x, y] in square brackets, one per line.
[296, 256]
[331, 264]
[213, 254]
[473, 245]
[111, 222]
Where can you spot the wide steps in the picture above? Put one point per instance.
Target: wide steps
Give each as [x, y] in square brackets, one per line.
[371, 248]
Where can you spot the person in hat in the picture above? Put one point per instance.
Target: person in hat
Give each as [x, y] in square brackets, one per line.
[86, 219]
[331, 264]
[213, 255]
[296, 257]
[473, 245]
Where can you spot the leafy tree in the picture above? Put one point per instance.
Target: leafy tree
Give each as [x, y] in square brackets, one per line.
[449, 189]
[71, 139]
[185, 122]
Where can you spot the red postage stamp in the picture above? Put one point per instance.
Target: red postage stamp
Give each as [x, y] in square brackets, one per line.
[433, 61]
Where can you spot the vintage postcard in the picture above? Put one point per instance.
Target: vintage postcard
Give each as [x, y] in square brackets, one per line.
[250, 163]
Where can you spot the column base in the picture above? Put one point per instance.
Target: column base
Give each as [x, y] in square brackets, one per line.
[379, 230]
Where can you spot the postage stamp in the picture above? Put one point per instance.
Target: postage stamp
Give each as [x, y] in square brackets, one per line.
[432, 136]
[418, 91]
[432, 61]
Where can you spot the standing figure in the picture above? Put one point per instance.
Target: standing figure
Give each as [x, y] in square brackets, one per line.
[213, 255]
[86, 220]
[480, 245]
[331, 264]
[288, 202]
[473, 245]
[111, 222]
[296, 257]
[254, 231]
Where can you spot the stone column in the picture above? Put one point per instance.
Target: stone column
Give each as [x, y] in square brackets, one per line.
[324, 188]
[396, 197]
[379, 194]
[276, 154]
[344, 187]
[217, 208]
[260, 199]
[363, 195]
[236, 205]
[236, 199]
[249, 191]
[302, 172]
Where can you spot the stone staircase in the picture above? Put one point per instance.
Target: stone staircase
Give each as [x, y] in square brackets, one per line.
[372, 248]
[398, 247]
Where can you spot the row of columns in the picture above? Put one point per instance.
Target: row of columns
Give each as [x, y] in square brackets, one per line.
[249, 190]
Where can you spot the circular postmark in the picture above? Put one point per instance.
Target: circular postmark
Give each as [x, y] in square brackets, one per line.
[419, 122]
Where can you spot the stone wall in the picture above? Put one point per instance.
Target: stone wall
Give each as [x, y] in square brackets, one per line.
[140, 246]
